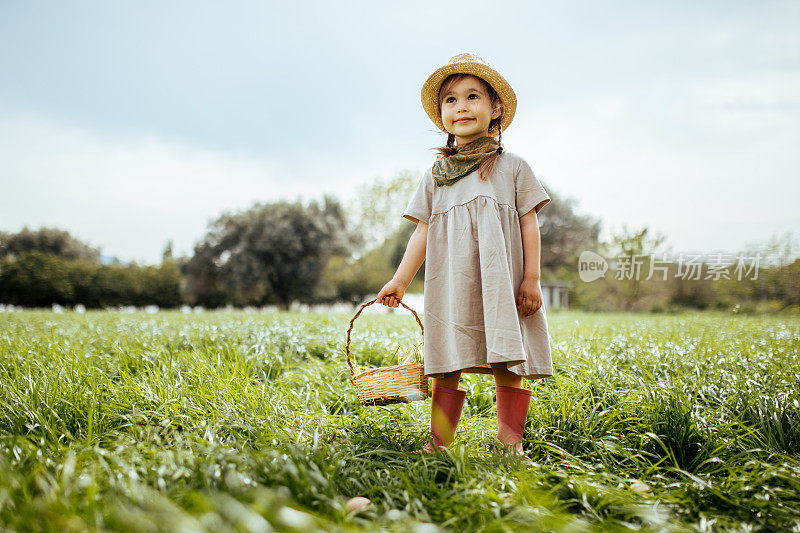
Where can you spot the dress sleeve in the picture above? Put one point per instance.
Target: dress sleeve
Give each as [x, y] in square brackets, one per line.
[529, 191]
[419, 208]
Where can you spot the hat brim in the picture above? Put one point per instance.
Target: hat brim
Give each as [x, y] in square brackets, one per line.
[430, 89]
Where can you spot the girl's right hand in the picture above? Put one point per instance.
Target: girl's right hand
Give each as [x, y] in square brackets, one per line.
[391, 293]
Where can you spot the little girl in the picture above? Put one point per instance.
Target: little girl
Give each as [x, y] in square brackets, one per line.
[478, 232]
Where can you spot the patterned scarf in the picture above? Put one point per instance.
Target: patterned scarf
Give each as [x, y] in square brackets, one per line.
[450, 169]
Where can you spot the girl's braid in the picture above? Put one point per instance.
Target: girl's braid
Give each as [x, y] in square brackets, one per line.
[451, 139]
[500, 134]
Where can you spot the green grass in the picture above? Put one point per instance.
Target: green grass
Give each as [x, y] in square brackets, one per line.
[247, 422]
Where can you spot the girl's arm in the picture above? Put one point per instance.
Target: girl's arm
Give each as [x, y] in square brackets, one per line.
[414, 256]
[531, 245]
[529, 298]
[412, 260]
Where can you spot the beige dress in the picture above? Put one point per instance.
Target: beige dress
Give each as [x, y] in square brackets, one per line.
[473, 270]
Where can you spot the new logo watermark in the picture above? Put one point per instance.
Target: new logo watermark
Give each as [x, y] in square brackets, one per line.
[591, 266]
[687, 266]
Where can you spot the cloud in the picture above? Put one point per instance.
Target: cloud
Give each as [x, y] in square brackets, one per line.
[681, 158]
[128, 195]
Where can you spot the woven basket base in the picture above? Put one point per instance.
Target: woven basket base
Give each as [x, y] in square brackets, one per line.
[391, 384]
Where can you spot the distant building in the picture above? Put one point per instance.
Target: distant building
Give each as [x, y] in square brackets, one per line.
[555, 294]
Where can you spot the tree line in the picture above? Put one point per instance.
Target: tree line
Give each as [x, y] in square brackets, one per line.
[321, 252]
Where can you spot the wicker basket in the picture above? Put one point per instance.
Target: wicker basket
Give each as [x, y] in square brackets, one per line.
[401, 383]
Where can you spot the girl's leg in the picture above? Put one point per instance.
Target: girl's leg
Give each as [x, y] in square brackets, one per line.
[504, 377]
[446, 404]
[512, 408]
[449, 380]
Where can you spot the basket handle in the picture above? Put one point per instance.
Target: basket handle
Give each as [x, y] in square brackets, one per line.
[347, 347]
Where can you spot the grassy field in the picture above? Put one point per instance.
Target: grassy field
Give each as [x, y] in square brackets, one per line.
[247, 422]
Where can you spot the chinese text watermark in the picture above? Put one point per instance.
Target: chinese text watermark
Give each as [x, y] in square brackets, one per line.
[687, 266]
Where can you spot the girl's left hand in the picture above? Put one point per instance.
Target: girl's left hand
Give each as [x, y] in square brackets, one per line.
[529, 298]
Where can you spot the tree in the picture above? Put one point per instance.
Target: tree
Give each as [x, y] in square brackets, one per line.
[34, 279]
[201, 284]
[352, 280]
[50, 241]
[272, 252]
[777, 268]
[161, 284]
[377, 212]
[634, 246]
[792, 295]
[565, 234]
[168, 254]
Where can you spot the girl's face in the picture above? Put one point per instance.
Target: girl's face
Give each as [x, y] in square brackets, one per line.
[467, 110]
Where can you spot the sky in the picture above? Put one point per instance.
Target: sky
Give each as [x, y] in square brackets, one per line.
[130, 124]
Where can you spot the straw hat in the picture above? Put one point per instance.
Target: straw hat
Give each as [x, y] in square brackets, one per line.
[468, 64]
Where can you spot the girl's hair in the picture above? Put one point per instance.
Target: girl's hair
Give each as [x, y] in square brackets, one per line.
[449, 148]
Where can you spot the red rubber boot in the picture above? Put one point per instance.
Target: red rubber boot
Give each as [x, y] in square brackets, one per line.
[446, 406]
[512, 412]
